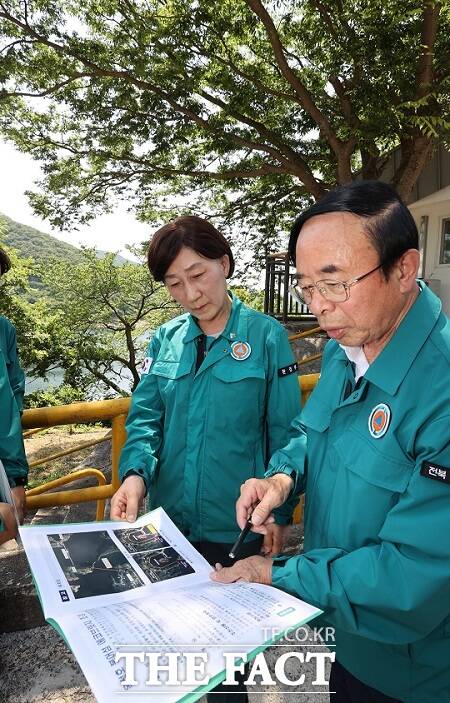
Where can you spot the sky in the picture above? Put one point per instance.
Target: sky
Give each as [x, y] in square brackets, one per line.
[111, 232]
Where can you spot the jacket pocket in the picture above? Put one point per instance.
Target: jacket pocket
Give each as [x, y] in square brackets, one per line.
[316, 415]
[391, 472]
[237, 405]
[238, 371]
[172, 378]
[170, 369]
[365, 486]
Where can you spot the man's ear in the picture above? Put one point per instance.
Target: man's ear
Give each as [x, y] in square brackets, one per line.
[407, 269]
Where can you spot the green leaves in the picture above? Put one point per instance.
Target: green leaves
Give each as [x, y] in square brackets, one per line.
[105, 314]
[216, 103]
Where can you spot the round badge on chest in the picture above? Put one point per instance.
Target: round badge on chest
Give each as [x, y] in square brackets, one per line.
[240, 350]
[379, 420]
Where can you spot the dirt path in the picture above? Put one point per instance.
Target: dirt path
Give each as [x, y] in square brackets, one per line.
[56, 440]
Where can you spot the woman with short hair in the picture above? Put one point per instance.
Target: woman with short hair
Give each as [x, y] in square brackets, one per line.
[217, 395]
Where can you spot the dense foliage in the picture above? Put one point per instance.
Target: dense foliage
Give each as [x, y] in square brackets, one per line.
[243, 109]
[105, 314]
[91, 322]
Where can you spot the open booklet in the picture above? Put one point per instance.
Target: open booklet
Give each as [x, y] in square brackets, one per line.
[111, 590]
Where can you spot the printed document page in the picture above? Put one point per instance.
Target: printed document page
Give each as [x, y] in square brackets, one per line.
[209, 618]
[116, 590]
[78, 566]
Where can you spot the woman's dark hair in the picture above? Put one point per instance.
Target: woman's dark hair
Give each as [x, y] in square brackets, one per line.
[189, 231]
[5, 262]
[388, 223]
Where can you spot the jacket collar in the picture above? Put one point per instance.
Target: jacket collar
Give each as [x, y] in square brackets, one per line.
[390, 367]
[394, 361]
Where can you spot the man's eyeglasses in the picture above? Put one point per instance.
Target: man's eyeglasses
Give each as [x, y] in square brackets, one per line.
[334, 291]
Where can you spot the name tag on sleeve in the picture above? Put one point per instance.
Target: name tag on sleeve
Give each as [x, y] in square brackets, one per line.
[435, 471]
[287, 370]
[146, 364]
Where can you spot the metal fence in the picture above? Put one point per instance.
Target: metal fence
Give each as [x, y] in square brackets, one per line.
[116, 411]
[277, 301]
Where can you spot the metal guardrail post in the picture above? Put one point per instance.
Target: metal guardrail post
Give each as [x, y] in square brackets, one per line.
[115, 410]
[277, 301]
[119, 436]
[267, 286]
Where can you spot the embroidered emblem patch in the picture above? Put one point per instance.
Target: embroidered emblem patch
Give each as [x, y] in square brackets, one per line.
[379, 420]
[286, 370]
[145, 368]
[435, 471]
[240, 350]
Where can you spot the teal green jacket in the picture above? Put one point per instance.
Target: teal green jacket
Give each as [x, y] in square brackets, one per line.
[377, 524]
[12, 385]
[196, 437]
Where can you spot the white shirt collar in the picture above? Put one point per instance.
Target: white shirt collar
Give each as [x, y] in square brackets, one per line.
[356, 356]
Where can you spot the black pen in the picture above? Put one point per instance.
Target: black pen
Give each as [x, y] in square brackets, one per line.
[244, 532]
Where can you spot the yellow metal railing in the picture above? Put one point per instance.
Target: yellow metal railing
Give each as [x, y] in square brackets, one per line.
[115, 410]
[301, 335]
[307, 384]
[307, 333]
[66, 452]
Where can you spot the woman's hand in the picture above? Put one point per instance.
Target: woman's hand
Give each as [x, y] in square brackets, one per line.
[18, 494]
[126, 501]
[9, 523]
[274, 539]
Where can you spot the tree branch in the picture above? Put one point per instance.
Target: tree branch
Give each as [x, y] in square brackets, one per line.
[50, 91]
[301, 90]
[97, 70]
[132, 356]
[416, 152]
[16, 41]
[229, 63]
[291, 155]
[326, 17]
[298, 167]
[425, 69]
[102, 377]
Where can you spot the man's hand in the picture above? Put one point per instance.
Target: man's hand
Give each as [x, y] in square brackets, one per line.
[269, 493]
[274, 539]
[9, 523]
[18, 494]
[127, 499]
[253, 569]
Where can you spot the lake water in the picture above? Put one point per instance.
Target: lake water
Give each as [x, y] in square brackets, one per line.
[56, 377]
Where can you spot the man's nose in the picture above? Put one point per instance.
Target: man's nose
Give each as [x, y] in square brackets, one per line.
[319, 305]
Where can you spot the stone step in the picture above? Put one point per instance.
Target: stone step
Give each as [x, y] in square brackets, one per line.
[50, 516]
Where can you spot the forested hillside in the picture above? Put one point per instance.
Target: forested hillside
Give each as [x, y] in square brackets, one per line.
[40, 246]
[31, 242]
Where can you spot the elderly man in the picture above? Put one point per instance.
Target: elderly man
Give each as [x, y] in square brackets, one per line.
[372, 454]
